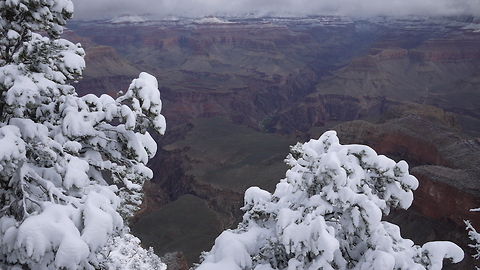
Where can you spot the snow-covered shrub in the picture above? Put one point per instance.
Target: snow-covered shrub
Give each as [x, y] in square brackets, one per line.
[71, 168]
[474, 236]
[327, 214]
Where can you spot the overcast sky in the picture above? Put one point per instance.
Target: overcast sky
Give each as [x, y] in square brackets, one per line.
[87, 9]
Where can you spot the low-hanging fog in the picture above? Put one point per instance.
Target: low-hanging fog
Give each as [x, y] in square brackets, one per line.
[90, 9]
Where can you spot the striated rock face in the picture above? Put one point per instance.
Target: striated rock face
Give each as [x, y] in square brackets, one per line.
[389, 53]
[437, 71]
[317, 110]
[436, 189]
[259, 73]
[249, 104]
[448, 49]
[232, 70]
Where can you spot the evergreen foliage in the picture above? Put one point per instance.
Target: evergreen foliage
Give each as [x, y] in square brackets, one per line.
[71, 168]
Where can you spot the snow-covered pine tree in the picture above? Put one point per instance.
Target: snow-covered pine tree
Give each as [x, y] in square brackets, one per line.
[71, 168]
[327, 214]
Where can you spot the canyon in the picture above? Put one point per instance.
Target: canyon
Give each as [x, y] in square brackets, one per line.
[237, 92]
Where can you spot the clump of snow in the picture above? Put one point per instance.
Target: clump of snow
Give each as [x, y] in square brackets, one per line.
[439, 250]
[144, 96]
[12, 152]
[53, 229]
[12, 34]
[76, 173]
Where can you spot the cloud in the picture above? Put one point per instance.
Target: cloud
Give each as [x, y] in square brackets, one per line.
[88, 9]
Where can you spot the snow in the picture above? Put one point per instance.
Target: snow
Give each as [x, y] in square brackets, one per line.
[12, 145]
[232, 251]
[100, 217]
[13, 150]
[147, 143]
[129, 117]
[439, 250]
[263, 267]
[71, 63]
[255, 196]
[12, 34]
[30, 129]
[76, 173]
[22, 92]
[212, 20]
[378, 260]
[474, 236]
[77, 123]
[72, 147]
[127, 19]
[46, 231]
[128, 254]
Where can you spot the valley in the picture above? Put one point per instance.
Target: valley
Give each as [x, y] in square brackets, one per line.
[237, 92]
